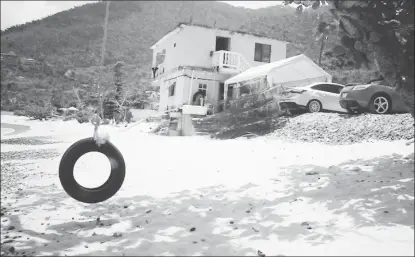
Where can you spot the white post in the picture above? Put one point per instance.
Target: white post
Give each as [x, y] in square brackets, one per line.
[225, 95]
[214, 85]
[191, 87]
[206, 95]
[221, 59]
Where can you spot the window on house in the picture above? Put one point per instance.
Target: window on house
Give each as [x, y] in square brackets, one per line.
[223, 43]
[202, 87]
[172, 88]
[160, 57]
[262, 53]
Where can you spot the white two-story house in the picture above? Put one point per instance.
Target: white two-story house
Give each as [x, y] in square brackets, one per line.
[191, 63]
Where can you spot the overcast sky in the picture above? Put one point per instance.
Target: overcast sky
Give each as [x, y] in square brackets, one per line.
[20, 12]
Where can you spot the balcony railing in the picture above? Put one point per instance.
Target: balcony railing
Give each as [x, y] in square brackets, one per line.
[229, 61]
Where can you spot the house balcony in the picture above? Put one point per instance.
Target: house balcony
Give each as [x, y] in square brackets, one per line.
[231, 63]
[157, 72]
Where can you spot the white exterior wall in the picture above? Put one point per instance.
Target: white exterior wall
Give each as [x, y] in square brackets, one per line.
[172, 53]
[182, 91]
[163, 96]
[212, 81]
[193, 46]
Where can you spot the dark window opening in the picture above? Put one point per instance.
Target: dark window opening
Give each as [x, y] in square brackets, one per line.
[160, 57]
[262, 53]
[221, 91]
[244, 90]
[202, 87]
[172, 89]
[230, 92]
[223, 43]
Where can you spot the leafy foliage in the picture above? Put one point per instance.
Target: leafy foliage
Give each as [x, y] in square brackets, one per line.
[74, 37]
[38, 112]
[378, 33]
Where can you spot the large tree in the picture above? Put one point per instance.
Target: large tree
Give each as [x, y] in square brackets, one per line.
[377, 33]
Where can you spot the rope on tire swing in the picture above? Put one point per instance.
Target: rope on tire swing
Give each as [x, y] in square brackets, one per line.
[93, 144]
[96, 119]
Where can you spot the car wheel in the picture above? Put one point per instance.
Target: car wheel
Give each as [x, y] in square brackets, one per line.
[314, 106]
[91, 195]
[380, 104]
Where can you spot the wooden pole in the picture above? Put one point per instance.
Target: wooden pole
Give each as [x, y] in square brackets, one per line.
[104, 42]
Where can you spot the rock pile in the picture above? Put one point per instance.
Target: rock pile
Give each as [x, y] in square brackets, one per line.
[334, 128]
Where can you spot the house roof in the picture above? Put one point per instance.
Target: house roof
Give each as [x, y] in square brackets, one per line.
[184, 24]
[265, 69]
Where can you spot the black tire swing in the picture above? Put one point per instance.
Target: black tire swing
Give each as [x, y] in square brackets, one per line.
[78, 149]
[87, 145]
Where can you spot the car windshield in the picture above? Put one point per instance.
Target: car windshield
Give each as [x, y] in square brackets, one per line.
[378, 81]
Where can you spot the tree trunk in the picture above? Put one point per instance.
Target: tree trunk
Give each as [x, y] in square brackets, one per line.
[323, 39]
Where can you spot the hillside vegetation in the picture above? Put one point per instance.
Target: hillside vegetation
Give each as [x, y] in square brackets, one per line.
[73, 39]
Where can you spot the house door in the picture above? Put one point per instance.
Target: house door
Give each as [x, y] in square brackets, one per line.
[230, 92]
[223, 43]
[222, 91]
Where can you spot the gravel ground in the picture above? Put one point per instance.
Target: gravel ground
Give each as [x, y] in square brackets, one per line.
[29, 155]
[18, 168]
[333, 128]
[29, 141]
[12, 174]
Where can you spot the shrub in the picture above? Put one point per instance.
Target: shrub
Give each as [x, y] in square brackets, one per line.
[68, 118]
[38, 112]
[83, 116]
[19, 113]
[10, 107]
[129, 116]
[353, 76]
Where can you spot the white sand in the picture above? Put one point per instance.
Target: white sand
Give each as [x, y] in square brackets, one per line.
[359, 203]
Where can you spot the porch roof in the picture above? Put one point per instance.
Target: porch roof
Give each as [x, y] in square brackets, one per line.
[265, 69]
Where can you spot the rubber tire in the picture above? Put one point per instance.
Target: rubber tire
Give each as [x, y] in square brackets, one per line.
[372, 108]
[308, 105]
[98, 194]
